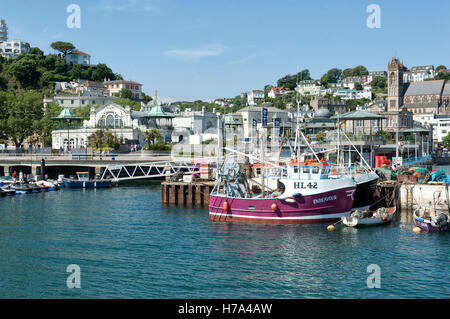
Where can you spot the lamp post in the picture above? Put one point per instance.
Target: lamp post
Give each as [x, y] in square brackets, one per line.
[68, 134]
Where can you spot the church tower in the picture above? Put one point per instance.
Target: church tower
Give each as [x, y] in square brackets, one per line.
[395, 85]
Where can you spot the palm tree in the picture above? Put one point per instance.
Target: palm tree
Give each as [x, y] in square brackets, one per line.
[97, 138]
[151, 136]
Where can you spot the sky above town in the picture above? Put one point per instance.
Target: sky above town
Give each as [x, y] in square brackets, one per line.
[208, 49]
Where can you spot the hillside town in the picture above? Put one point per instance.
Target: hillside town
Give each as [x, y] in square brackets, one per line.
[413, 101]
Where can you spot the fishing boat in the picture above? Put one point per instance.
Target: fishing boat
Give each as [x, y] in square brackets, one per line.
[305, 195]
[431, 220]
[368, 217]
[83, 181]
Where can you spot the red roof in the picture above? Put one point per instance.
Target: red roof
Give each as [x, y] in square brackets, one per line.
[79, 53]
[278, 90]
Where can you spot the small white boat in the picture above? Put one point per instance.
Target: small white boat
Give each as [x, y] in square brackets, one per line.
[369, 218]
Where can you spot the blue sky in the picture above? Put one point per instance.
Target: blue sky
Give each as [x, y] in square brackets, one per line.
[206, 49]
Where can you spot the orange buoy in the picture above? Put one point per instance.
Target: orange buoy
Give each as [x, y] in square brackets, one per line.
[384, 219]
[225, 206]
[274, 207]
[417, 230]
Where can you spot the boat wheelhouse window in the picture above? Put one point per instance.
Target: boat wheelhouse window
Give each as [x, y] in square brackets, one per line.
[296, 170]
[315, 170]
[281, 186]
[305, 169]
[325, 170]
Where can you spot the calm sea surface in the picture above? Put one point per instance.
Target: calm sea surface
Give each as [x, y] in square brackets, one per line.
[128, 245]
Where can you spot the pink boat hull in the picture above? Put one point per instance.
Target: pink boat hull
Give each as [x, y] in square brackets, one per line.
[318, 208]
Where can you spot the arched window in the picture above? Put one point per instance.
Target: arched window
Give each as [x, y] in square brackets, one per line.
[110, 120]
[102, 122]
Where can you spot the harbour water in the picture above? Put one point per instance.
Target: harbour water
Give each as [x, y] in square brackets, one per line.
[128, 245]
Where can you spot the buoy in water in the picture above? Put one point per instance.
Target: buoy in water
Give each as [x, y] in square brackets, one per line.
[417, 230]
[331, 228]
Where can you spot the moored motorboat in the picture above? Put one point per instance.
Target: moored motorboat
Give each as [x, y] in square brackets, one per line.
[35, 188]
[368, 217]
[8, 191]
[83, 181]
[22, 188]
[430, 220]
[48, 185]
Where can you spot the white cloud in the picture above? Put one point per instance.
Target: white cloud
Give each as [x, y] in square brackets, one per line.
[192, 54]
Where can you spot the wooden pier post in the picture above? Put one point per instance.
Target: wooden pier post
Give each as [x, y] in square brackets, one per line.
[172, 194]
[181, 195]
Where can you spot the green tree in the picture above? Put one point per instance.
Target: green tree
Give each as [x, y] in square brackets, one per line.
[360, 70]
[46, 124]
[146, 98]
[63, 47]
[290, 81]
[358, 86]
[267, 89]
[101, 72]
[151, 136]
[446, 141]
[356, 71]
[126, 94]
[379, 83]
[135, 106]
[443, 76]
[83, 112]
[440, 67]
[332, 76]
[76, 72]
[21, 117]
[321, 136]
[24, 70]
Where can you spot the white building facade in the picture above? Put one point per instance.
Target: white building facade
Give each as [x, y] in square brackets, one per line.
[81, 100]
[255, 96]
[78, 57]
[114, 87]
[123, 122]
[14, 48]
[419, 73]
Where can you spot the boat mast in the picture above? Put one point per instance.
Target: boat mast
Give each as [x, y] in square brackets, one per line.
[262, 163]
[297, 128]
[338, 159]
